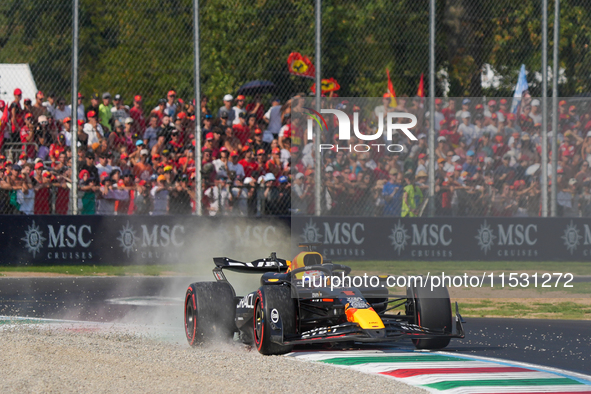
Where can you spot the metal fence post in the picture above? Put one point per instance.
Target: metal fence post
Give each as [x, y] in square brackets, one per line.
[74, 122]
[317, 155]
[544, 180]
[555, 74]
[431, 147]
[198, 180]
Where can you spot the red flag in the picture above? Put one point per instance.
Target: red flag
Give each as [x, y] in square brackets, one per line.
[328, 85]
[391, 91]
[300, 65]
[421, 91]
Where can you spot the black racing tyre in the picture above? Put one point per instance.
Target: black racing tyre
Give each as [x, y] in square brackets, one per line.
[210, 310]
[431, 309]
[268, 299]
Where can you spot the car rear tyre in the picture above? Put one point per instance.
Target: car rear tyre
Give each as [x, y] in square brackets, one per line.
[268, 299]
[210, 309]
[431, 309]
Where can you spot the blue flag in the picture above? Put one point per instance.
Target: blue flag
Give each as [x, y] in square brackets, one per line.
[519, 89]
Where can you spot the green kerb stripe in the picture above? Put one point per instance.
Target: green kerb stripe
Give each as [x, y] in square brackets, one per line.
[508, 382]
[389, 359]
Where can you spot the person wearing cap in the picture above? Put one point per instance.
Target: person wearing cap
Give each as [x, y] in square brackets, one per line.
[227, 109]
[104, 112]
[218, 196]
[467, 130]
[242, 195]
[159, 195]
[238, 109]
[256, 107]
[258, 142]
[81, 111]
[137, 114]
[119, 111]
[27, 136]
[270, 195]
[235, 166]
[261, 161]
[94, 103]
[274, 165]
[171, 103]
[441, 148]
[17, 114]
[41, 184]
[142, 169]
[93, 129]
[209, 144]
[241, 129]
[536, 112]
[117, 139]
[273, 117]
[465, 108]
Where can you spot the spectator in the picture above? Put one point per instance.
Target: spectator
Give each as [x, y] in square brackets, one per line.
[171, 106]
[159, 195]
[104, 112]
[227, 110]
[137, 114]
[119, 112]
[256, 107]
[179, 199]
[273, 117]
[238, 109]
[412, 198]
[93, 129]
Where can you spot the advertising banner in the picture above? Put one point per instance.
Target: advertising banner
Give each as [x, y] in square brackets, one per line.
[440, 239]
[124, 240]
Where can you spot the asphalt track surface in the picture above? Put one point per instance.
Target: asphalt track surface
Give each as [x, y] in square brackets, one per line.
[561, 344]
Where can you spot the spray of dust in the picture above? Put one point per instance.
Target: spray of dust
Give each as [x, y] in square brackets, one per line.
[242, 240]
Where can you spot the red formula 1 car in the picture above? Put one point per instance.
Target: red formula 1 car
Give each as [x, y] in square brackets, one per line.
[289, 308]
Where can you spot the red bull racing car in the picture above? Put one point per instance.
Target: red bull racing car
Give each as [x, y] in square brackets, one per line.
[295, 305]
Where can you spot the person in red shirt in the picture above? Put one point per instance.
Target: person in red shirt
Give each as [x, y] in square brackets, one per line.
[257, 108]
[209, 145]
[62, 195]
[453, 136]
[27, 136]
[42, 183]
[241, 130]
[248, 163]
[261, 161]
[137, 114]
[17, 114]
[159, 111]
[57, 148]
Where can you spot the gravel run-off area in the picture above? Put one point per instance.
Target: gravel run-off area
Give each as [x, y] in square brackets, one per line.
[45, 360]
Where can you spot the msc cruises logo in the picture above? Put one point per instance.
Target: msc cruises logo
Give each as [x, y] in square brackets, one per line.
[485, 237]
[34, 239]
[399, 237]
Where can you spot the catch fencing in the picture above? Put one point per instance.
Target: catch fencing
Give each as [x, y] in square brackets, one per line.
[137, 59]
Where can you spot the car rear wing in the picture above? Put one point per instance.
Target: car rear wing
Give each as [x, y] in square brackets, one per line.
[269, 264]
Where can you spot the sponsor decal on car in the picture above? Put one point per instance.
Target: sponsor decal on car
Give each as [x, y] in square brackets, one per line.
[274, 315]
